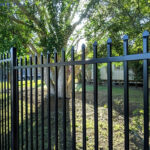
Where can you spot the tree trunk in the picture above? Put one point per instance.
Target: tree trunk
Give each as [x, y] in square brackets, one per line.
[60, 82]
[52, 89]
[52, 79]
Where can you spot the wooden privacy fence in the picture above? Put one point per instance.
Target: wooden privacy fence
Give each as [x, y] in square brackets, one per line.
[12, 83]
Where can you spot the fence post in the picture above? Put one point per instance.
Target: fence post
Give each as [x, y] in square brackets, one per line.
[95, 96]
[126, 94]
[14, 100]
[146, 91]
[109, 80]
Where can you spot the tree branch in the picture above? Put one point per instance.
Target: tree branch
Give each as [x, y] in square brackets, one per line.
[84, 14]
[32, 17]
[29, 15]
[32, 47]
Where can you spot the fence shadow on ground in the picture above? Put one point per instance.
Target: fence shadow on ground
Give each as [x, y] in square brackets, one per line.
[52, 129]
[134, 139]
[22, 125]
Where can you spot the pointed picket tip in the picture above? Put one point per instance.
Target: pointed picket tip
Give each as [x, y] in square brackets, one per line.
[7, 54]
[48, 52]
[95, 43]
[63, 50]
[41, 54]
[35, 54]
[125, 37]
[30, 56]
[20, 60]
[109, 41]
[55, 51]
[72, 48]
[83, 46]
[145, 33]
[25, 58]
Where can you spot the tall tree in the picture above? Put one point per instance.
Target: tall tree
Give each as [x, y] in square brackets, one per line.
[115, 18]
[50, 22]
[42, 25]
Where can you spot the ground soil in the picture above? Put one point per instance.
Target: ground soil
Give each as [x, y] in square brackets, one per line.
[136, 141]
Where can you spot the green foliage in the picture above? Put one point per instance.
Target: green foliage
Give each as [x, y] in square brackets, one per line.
[40, 26]
[114, 19]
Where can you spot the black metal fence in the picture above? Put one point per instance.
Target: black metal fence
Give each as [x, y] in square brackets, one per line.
[21, 122]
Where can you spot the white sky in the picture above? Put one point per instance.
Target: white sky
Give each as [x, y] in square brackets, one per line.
[79, 27]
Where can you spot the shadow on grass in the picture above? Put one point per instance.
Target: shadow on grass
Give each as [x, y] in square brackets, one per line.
[27, 121]
[52, 124]
[136, 112]
[135, 137]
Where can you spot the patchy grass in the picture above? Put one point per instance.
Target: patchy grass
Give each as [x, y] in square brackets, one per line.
[28, 83]
[135, 94]
[136, 120]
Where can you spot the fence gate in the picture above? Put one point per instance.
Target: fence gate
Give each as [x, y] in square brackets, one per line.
[25, 125]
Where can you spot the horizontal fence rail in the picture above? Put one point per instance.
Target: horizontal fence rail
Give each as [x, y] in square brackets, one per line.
[92, 61]
[26, 117]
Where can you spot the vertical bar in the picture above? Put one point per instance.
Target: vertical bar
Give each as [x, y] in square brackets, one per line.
[126, 94]
[26, 102]
[56, 101]
[73, 102]
[95, 97]
[21, 90]
[109, 79]
[42, 100]
[4, 84]
[146, 91]
[17, 98]
[83, 99]
[10, 105]
[3, 106]
[36, 102]
[2, 102]
[49, 104]
[0, 115]
[5, 99]
[31, 108]
[64, 100]
[8, 102]
[14, 101]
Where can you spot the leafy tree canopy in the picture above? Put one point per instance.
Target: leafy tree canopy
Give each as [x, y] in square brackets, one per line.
[115, 18]
[37, 25]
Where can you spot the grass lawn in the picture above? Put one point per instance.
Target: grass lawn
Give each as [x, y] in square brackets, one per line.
[136, 120]
[135, 94]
